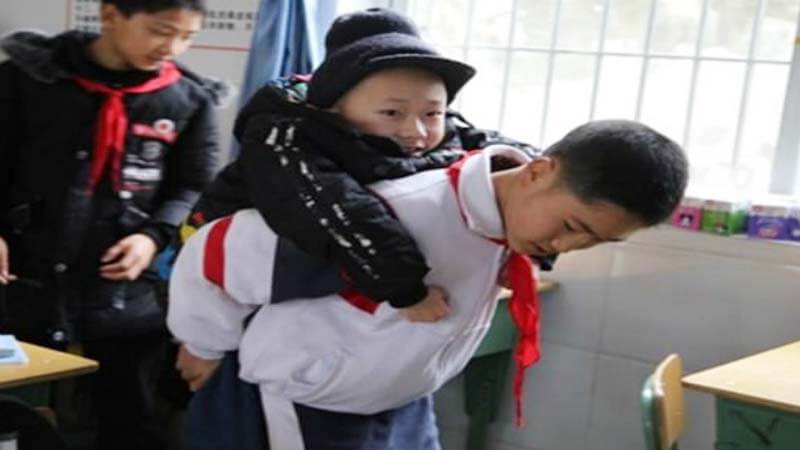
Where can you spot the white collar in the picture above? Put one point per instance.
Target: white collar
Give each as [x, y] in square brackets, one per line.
[477, 197]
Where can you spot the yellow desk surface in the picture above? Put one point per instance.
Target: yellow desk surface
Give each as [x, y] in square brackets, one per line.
[44, 365]
[770, 378]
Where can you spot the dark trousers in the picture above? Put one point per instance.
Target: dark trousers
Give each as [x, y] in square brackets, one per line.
[226, 414]
[124, 392]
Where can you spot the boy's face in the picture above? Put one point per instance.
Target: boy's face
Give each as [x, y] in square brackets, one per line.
[143, 41]
[542, 217]
[404, 104]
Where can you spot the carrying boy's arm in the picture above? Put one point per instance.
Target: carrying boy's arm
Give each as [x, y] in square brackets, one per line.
[206, 313]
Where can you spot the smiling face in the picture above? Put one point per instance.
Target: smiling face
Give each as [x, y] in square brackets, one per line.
[404, 104]
[144, 40]
[542, 217]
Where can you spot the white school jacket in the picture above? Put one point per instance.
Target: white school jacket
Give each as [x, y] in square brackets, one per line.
[325, 352]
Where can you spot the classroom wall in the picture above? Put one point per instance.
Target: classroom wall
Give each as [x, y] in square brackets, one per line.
[621, 308]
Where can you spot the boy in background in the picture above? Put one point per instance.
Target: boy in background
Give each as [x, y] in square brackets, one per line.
[105, 145]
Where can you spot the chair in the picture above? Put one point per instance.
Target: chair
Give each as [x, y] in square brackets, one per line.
[663, 405]
[34, 431]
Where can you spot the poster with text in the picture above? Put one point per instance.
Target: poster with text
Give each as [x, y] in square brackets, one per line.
[228, 24]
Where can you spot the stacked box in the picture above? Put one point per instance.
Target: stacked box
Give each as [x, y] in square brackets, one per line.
[689, 214]
[724, 217]
[794, 222]
[769, 222]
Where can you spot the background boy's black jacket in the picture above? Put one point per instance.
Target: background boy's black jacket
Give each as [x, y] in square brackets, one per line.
[305, 170]
[47, 125]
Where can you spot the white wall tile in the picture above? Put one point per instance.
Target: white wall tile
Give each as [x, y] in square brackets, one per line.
[573, 314]
[557, 402]
[708, 308]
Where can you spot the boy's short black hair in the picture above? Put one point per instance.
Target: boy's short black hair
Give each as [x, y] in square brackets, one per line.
[624, 163]
[131, 7]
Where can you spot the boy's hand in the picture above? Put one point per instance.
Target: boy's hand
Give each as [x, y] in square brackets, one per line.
[195, 371]
[432, 308]
[5, 271]
[126, 259]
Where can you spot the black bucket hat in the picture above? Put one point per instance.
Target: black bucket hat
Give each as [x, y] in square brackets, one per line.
[364, 42]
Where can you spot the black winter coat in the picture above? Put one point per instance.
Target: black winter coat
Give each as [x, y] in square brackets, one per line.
[309, 187]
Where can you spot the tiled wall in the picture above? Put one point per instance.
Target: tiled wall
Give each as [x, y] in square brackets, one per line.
[623, 307]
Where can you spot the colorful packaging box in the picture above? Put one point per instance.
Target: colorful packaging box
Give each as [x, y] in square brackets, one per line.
[689, 214]
[724, 217]
[794, 223]
[769, 222]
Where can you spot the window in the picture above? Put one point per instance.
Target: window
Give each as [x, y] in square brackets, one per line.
[718, 76]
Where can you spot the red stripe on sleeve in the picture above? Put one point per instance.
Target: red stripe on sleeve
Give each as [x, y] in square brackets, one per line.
[214, 254]
[360, 301]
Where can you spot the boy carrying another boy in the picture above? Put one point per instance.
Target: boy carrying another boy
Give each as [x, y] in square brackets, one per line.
[348, 359]
[331, 371]
[105, 145]
[346, 373]
[315, 197]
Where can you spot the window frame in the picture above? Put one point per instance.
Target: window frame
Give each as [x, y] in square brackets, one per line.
[784, 177]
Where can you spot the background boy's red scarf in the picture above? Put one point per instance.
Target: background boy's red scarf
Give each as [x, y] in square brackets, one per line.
[523, 306]
[112, 123]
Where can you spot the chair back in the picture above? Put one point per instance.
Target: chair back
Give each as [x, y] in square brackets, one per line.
[663, 411]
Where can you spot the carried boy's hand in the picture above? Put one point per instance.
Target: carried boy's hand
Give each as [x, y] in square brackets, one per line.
[126, 259]
[195, 371]
[432, 308]
[5, 271]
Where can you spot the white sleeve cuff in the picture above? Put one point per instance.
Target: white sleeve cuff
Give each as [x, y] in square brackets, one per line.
[203, 353]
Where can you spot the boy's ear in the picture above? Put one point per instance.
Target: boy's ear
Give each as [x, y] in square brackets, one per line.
[539, 168]
[110, 14]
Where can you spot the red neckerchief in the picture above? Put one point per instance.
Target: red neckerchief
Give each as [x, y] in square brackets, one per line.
[112, 122]
[523, 305]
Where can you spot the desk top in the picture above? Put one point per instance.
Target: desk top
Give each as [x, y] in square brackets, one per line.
[769, 378]
[44, 365]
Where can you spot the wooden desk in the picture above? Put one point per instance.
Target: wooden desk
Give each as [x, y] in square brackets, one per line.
[485, 375]
[758, 399]
[44, 365]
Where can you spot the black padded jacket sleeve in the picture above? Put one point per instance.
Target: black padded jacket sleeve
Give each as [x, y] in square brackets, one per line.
[190, 168]
[308, 197]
